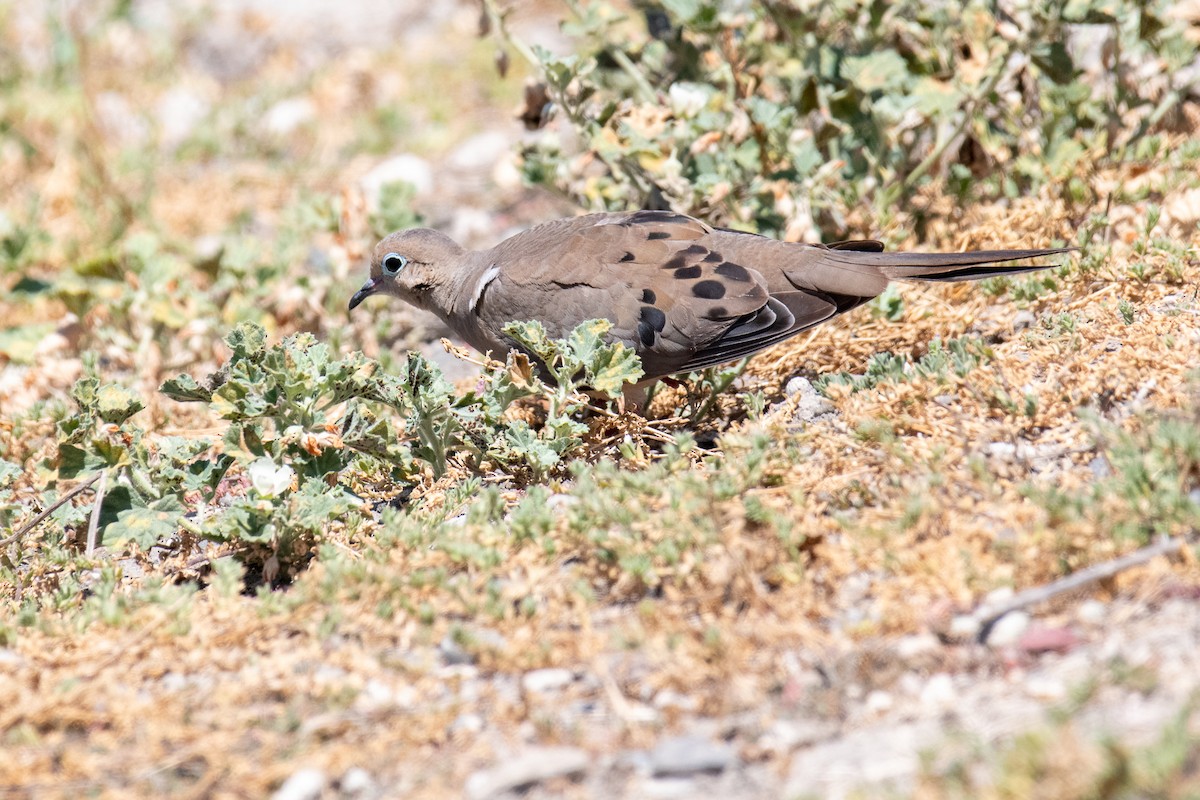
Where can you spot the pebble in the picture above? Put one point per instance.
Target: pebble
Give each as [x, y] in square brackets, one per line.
[1092, 612]
[917, 645]
[1089, 45]
[1008, 629]
[467, 723]
[286, 116]
[666, 788]
[480, 639]
[685, 755]
[356, 781]
[481, 151]
[305, 784]
[406, 167]
[1099, 467]
[532, 766]
[879, 701]
[471, 226]
[785, 735]
[939, 692]
[547, 680]
[812, 404]
[207, 252]
[375, 695]
[117, 119]
[1043, 687]
[180, 111]
[669, 698]
[1023, 320]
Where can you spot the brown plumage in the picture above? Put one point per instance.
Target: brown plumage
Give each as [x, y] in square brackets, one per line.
[682, 294]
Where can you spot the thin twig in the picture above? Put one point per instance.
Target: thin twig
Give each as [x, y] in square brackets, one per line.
[989, 616]
[499, 21]
[94, 522]
[655, 433]
[33, 523]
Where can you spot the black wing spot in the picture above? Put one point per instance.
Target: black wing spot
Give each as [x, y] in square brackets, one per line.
[735, 272]
[713, 257]
[718, 312]
[627, 257]
[677, 261]
[646, 333]
[688, 272]
[695, 250]
[709, 290]
[658, 235]
[648, 296]
[654, 317]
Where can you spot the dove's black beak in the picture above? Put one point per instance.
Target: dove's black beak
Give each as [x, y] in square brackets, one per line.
[366, 291]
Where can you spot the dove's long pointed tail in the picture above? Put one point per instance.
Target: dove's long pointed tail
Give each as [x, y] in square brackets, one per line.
[945, 266]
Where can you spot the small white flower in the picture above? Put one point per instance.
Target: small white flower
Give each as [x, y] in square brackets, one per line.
[688, 99]
[268, 479]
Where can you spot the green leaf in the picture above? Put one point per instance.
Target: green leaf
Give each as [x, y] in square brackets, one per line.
[116, 404]
[884, 69]
[247, 341]
[75, 461]
[8, 473]
[613, 368]
[142, 526]
[19, 344]
[184, 389]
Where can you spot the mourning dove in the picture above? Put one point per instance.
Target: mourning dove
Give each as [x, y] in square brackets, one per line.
[680, 293]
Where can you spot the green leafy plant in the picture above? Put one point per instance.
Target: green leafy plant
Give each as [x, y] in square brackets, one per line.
[957, 356]
[8, 476]
[782, 118]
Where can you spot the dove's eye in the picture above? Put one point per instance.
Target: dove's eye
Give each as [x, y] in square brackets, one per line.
[393, 263]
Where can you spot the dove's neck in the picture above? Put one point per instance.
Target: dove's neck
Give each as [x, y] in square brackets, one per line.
[456, 294]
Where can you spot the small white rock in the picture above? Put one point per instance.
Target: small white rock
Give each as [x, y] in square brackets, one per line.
[964, 626]
[406, 167]
[669, 698]
[356, 781]
[467, 723]
[785, 735]
[1092, 612]
[997, 596]
[939, 692]
[1023, 320]
[879, 701]
[685, 755]
[179, 111]
[812, 403]
[534, 765]
[547, 680]
[1008, 629]
[1043, 687]
[666, 788]
[286, 116]
[481, 151]
[916, 645]
[304, 784]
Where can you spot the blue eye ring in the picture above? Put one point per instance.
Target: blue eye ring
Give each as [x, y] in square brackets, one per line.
[393, 263]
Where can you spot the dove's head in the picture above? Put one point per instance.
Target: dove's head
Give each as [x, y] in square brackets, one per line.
[412, 265]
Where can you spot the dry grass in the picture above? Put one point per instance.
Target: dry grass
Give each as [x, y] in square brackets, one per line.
[905, 508]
